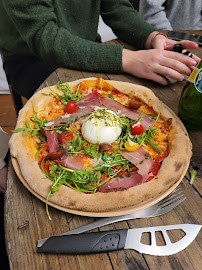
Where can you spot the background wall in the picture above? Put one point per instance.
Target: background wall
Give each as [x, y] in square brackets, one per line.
[4, 89]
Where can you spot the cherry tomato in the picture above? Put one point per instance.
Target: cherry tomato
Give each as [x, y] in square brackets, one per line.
[136, 128]
[65, 137]
[131, 147]
[70, 107]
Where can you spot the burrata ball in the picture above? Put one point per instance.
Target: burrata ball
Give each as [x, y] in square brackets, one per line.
[102, 126]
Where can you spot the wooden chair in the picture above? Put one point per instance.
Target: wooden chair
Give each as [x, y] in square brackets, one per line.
[17, 100]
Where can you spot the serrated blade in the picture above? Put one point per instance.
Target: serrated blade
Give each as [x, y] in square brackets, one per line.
[133, 240]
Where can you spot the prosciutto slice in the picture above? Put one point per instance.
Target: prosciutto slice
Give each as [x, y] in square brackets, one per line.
[52, 139]
[123, 110]
[141, 159]
[90, 99]
[70, 162]
[87, 105]
[130, 181]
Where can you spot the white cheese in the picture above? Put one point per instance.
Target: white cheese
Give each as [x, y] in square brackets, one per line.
[102, 126]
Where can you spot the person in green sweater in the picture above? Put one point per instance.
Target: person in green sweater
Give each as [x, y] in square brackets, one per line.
[39, 36]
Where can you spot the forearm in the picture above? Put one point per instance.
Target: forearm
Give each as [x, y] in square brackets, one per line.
[71, 51]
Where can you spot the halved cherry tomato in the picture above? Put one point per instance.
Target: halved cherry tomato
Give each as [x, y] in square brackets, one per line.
[65, 136]
[70, 107]
[136, 128]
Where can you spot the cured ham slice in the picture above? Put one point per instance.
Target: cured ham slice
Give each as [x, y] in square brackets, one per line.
[87, 105]
[90, 99]
[123, 110]
[52, 139]
[70, 162]
[133, 180]
[141, 159]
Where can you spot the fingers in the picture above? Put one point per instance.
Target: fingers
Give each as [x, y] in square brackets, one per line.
[187, 44]
[158, 78]
[169, 72]
[181, 58]
[196, 58]
[176, 65]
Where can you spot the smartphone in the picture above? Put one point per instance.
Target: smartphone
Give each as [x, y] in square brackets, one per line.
[182, 36]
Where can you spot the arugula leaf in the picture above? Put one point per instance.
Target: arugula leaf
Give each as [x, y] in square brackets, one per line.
[153, 116]
[91, 150]
[193, 175]
[67, 93]
[110, 96]
[18, 130]
[34, 131]
[74, 145]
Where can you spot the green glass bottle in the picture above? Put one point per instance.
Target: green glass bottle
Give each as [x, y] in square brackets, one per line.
[190, 105]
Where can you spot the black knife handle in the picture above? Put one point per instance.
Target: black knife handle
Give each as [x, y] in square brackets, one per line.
[85, 243]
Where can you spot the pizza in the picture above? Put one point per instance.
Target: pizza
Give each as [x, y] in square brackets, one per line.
[96, 145]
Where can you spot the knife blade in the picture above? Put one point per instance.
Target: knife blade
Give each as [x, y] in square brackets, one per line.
[97, 242]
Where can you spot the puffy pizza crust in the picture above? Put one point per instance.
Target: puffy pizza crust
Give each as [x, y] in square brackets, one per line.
[172, 170]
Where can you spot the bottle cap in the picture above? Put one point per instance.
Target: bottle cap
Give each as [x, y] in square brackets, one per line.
[178, 48]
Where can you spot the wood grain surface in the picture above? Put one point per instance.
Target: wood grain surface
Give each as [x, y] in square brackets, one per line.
[26, 220]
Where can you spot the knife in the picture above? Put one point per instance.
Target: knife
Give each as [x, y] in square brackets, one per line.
[106, 241]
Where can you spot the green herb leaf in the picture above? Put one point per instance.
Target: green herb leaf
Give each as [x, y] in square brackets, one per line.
[27, 125]
[67, 93]
[75, 144]
[91, 150]
[110, 96]
[193, 175]
[18, 130]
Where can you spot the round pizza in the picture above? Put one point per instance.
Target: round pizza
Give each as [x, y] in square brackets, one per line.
[95, 145]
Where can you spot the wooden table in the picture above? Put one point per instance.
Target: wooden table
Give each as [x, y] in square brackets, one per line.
[26, 220]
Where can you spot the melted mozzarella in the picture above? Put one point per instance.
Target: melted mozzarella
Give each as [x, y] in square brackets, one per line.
[102, 126]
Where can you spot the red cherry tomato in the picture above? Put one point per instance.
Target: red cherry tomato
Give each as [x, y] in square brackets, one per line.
[70, 107]
[65, 137]
[136, 128]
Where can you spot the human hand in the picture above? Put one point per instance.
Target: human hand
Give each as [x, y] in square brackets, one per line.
[163, 43]
[150, 64]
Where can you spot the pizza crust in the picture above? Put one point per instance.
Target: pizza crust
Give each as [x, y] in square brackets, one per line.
[172, 170]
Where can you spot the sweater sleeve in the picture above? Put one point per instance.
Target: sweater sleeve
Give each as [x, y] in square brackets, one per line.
[154, 13]
[126, 22]
[37, 24]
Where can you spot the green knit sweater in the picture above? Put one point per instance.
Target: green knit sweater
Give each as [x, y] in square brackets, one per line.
[64, 32]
